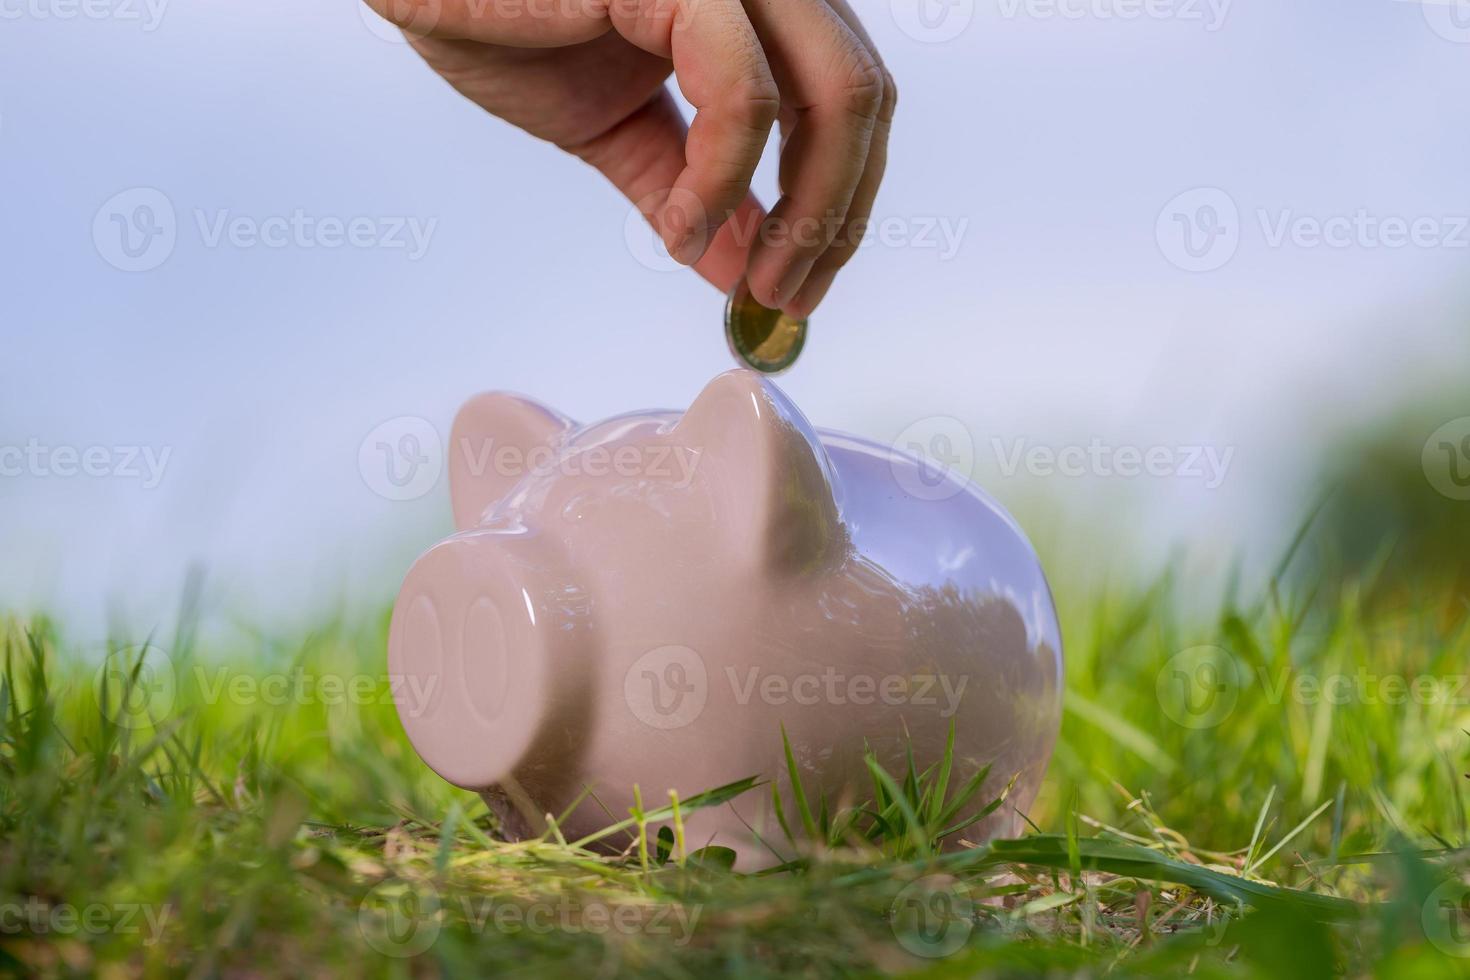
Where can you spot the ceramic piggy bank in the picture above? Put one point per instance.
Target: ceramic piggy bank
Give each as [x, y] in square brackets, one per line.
[652, 599]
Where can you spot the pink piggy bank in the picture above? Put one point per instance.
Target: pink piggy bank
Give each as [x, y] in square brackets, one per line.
[649, 600]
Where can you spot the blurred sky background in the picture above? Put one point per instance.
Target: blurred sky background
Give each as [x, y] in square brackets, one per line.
[1068, 313]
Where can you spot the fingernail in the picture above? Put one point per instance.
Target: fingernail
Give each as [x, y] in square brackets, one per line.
[792, 279]
[812, 292]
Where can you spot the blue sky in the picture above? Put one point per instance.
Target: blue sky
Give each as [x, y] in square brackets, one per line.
[346, 242]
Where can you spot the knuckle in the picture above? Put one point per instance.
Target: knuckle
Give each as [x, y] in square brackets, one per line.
[889, 105]
[755, 102]
[843, 249]
[862, 90]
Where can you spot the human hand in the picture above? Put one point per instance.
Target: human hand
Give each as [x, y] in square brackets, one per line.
[588, 75]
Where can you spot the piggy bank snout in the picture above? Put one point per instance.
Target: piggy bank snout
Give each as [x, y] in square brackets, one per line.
[466, 660]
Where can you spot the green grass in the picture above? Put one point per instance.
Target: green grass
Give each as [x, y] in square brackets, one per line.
[1205, 814]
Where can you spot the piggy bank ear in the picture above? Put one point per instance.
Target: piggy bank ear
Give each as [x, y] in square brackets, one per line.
[772, 484]
[494, 442]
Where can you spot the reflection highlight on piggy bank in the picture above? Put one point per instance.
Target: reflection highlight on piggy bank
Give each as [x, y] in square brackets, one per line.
[651, 599]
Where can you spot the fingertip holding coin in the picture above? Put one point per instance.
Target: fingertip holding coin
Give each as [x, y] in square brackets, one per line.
[761, 338]
[811, 294]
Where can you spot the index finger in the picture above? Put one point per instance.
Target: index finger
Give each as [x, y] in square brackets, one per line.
[517, 23]
[722, 71]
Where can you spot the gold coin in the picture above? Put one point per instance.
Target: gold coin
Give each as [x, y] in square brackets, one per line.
[767, 340]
